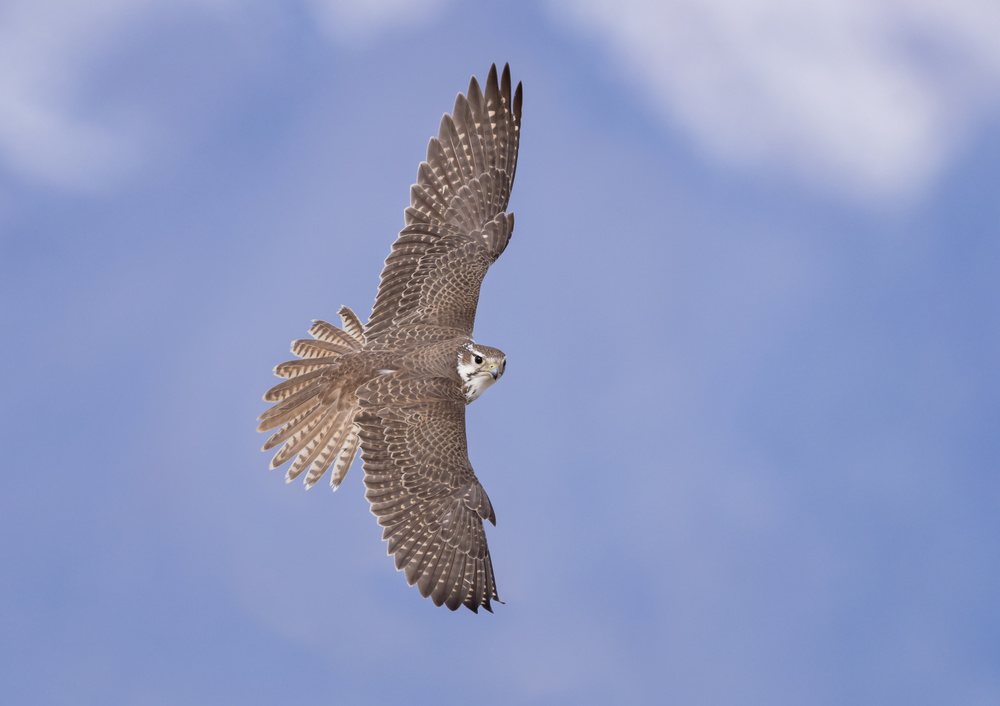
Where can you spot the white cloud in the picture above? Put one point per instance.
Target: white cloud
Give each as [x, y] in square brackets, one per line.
[52, 132]
[43, 45]
[49, 132]
[352, 21]
[867, 96]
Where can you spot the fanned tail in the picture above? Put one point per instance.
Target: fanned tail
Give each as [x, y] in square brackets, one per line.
[315, 420]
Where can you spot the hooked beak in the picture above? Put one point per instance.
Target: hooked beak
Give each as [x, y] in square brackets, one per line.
[495, 372]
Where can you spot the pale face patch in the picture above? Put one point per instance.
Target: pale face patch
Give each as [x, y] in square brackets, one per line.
[479, 369]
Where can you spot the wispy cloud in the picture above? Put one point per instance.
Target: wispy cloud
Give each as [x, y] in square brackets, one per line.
[55, 132]
[53, 129]
[868, 97]
[351, 22]
[46, 134]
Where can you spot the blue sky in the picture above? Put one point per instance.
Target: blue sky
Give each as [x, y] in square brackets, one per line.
[746, 447]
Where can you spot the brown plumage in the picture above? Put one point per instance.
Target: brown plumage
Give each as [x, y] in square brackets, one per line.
[399, 386]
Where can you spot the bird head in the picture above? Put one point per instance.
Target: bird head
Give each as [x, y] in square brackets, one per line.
[479, 367]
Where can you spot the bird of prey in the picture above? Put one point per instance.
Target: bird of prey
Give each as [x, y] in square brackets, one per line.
[399, 386]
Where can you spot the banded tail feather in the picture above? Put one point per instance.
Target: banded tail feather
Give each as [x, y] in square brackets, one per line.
[314, 410]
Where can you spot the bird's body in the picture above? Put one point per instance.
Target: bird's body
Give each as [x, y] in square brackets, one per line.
[398, 387]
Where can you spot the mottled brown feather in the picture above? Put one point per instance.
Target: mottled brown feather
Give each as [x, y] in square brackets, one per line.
[423, 489]
[435, 269]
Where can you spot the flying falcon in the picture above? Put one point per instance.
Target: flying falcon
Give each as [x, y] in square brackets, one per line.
[399, 386]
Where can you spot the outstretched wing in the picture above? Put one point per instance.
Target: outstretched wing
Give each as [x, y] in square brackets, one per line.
[423, 490]
[456, 225]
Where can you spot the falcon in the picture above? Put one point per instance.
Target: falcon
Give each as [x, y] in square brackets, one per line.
[398, 386]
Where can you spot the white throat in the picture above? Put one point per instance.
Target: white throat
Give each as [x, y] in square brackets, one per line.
[474, 381]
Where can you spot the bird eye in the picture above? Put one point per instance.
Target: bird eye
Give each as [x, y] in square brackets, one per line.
[479, 360]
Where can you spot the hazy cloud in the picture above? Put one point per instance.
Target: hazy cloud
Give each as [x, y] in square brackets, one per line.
[350, 22]
[53, 132]
[869, 96]
[45, 47]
